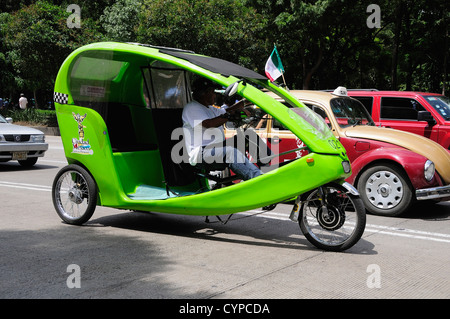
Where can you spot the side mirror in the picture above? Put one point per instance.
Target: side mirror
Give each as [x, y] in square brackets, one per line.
[9, 120]
[426, 116]
[231, 89]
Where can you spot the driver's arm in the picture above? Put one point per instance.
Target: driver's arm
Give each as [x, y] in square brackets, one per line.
[222, 119]
[214, 122]
[238, 106]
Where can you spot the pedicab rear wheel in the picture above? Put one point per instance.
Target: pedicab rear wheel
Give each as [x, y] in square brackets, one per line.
[74, 194]
[332, 218]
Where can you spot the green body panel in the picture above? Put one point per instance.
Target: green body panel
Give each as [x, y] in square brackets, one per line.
[135, 179]
[284, 183]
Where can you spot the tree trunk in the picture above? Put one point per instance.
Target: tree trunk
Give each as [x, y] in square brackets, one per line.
[397, 31]
[444, 66]
[307, 78]
[35, 99]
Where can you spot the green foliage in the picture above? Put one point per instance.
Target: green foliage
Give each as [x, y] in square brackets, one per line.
[220, 28]
[32, 116]
[36, 40]
[120, 20]
[322, 43]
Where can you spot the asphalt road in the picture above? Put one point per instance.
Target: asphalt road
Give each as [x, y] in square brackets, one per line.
[122, 254]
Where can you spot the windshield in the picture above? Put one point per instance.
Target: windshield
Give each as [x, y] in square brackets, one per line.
[304, 117]
[441, 104]
[350, 112]
[3, 120]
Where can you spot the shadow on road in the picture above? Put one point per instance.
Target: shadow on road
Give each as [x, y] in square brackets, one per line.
[252, 231]
[427, 210]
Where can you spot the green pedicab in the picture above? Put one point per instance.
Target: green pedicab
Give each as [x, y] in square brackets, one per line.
[119, 112]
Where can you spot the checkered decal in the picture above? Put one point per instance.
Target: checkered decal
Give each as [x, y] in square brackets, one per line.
[60, 98]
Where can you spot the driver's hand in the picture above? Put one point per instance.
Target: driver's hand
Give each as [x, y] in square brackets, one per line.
[239, 104]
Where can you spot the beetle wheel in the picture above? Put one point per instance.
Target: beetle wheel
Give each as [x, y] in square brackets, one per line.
[74, 194]
[385, 190]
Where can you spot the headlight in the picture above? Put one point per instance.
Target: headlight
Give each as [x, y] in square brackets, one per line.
[346, 166]
[37, 138]
[428, 170]
[2, 138]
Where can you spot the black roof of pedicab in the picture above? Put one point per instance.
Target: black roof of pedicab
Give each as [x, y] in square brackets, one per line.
[216, 65]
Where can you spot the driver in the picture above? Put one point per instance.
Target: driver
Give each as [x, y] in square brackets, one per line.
[204, 134]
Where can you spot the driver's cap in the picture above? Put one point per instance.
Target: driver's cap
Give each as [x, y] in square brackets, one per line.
[202, 84]
[340, 91]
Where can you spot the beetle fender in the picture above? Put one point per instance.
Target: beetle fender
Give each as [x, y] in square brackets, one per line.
[411, 162]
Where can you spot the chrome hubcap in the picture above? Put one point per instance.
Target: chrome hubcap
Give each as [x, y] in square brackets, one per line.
[384, 189]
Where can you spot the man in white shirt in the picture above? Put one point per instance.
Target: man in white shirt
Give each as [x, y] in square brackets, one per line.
[23, 102]
[204, 135]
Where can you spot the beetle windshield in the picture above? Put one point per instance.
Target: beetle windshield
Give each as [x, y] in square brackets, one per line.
[2, 119]
[441, 104]
[301, 115]
[350, 112]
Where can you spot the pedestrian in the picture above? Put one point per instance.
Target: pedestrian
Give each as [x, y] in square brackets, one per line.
[23, 102]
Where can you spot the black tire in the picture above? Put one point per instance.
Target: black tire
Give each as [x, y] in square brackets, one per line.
[28, 162]
[74, 194]
[385, 190]
[336, 226]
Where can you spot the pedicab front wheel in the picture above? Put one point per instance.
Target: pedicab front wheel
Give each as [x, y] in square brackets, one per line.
[332, 218]
[74, 194]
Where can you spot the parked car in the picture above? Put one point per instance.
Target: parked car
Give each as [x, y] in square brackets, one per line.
[390, 168]
[20, 143]
[426, 114]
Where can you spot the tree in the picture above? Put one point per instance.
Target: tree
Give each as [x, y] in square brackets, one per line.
[121, 19]
[38, 40]
[222, 28]
[6, 68]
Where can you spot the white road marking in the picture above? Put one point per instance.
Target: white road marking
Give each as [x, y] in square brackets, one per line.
[380, 229]
[26, 186]
[52, 161]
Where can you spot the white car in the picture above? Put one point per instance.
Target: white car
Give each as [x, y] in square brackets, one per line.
[20, 143]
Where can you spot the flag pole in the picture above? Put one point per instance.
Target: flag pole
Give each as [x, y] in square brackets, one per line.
[282, 73]
[284, 81]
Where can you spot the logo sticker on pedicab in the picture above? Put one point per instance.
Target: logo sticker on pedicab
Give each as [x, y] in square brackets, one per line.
[80, 145]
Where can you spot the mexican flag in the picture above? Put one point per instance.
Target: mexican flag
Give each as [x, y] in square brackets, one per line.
[274, 68]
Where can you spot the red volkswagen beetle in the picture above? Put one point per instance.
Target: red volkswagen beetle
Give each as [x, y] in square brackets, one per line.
[391, 168]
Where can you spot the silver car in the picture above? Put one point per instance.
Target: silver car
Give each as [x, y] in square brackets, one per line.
[20, 143]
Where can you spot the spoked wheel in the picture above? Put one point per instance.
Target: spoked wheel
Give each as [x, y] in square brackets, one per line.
[74, 194]
[331, 218]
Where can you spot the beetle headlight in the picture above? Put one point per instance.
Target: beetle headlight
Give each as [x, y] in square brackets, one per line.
[428, 170]
[37, 138]
[2, 138]
[346, 166]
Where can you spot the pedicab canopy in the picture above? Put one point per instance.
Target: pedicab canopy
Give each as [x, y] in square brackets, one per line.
[118, 105]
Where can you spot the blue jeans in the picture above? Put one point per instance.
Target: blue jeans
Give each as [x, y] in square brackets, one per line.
[231, 157]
